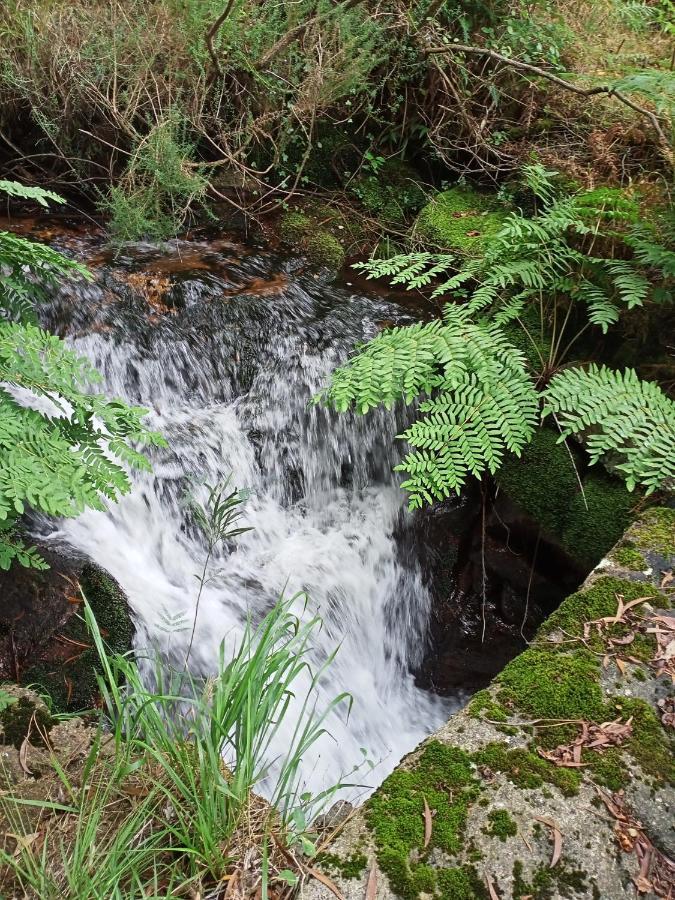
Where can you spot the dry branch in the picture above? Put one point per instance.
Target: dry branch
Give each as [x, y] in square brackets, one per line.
[561, 82]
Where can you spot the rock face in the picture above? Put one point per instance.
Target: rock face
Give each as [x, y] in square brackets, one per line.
[557, 780]
[43, 639]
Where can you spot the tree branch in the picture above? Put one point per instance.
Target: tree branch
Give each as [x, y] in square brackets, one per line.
[212, 32]
[295, 33]
[561, 82]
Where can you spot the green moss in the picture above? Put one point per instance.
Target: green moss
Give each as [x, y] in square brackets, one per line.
[323, 249]
[501, 825]
[597, 602]
[543, 482]
[596, 520]
[461, 883]
[22, 717]
[629, 557]
[650, 745]
[293, 226]
[546, 685]
[608, 768]
[318, 244]
[546, 883]
[484, 706]
[656, 531]
[349, 867]
[460, 219]
[395, 815]
[73, 686]
[526, 769]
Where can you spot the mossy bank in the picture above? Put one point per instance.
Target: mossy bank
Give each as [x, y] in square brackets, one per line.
[492, 803]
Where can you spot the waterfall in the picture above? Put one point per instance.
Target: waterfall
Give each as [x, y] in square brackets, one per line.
[227, 376]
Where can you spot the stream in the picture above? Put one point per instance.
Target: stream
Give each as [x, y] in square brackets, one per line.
[225, 346]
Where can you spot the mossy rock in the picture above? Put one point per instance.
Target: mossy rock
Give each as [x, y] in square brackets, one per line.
[544, 484]
[460, 220]
[71, 680]
[391, 195]
[21, 717]
[655, 531]
[442, 777]
[321, 248]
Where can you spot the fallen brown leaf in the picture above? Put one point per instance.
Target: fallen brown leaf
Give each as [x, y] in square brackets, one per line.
[428, 824]
[23, 755]
[326, 881]
[371, 887]
[491, 887]
[557, 839]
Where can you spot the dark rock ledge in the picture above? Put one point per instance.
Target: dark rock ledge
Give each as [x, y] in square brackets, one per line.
[483, 807]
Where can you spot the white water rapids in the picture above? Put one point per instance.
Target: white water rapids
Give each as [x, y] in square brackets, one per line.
[227, 379]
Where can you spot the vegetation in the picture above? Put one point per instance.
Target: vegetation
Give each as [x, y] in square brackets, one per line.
[171, 104]
[478, 398]
[62, 447]
[171, 772]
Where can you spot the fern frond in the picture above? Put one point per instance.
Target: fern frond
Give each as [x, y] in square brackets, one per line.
[480, 401]
[620, 415]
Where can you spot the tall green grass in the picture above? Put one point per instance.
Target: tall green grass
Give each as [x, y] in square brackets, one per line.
[165, 803]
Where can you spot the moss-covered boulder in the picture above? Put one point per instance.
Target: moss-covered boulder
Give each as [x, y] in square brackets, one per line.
[586, 511]
[499, 802]
[299, 232]
[44, 641]
[460, 220]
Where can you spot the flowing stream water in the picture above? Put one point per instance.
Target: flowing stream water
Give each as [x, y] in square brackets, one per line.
[227, 373]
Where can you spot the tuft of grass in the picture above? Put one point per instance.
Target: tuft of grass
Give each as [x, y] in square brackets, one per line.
[164, 804]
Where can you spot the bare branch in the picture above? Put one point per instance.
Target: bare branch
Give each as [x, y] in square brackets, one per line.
[561, 82]
[212, 32]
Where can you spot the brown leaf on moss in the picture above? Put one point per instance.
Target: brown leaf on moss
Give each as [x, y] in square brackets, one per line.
[591, 737]
[657, 871]
[428, 824]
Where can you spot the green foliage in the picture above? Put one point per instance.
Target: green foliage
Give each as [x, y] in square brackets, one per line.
[19, 290]
[550, 260]
[62, 447]
[190, 753]
[476, 397]
[480, 403]
[621, 415]
[159, 188]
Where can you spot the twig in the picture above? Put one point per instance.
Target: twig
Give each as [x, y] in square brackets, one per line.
[212, 32]
[561, 82]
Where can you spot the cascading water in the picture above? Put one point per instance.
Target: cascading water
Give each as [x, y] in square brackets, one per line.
[227, 378]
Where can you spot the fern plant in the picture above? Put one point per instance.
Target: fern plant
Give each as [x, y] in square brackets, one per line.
[63, 448]
[550, 263]
[475, 393]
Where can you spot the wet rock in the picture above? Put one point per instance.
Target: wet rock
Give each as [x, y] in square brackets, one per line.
[43, 638]
[505, 819]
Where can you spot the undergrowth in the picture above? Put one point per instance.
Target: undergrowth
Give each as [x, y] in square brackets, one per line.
[164, 804]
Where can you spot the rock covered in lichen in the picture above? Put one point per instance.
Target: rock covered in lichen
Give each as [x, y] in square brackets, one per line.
[487, 802]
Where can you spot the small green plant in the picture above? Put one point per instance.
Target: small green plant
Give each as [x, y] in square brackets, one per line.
[217, 519]
[169, 806]
[62, 447]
